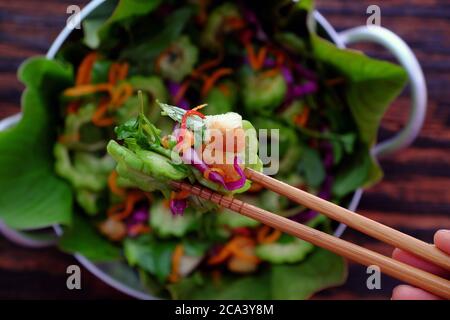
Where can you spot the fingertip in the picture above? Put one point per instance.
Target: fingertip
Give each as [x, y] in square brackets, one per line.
[442, 240]
[397, 253]
[405, 292]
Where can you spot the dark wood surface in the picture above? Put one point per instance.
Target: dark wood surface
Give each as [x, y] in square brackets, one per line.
[414, 197]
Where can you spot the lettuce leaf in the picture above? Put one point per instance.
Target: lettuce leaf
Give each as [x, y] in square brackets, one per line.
[321, 270]
[370, 85]
[32, 195]
[150, 254]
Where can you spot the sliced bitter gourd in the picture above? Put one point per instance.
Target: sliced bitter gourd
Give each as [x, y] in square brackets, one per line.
[289, 252]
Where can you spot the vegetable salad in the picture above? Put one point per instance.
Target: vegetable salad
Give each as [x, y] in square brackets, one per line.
[93, 155]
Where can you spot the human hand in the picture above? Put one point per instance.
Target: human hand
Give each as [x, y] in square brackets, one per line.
[406, 292]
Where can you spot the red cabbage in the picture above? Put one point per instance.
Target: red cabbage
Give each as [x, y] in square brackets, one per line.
[177, 206]
[191, 157]
[173, 88]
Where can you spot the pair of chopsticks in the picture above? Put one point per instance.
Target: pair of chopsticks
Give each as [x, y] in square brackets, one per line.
[387, 265]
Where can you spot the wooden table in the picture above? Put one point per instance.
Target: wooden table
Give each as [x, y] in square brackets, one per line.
[414, 196]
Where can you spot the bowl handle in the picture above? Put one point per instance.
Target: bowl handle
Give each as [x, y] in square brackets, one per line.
[418, 90]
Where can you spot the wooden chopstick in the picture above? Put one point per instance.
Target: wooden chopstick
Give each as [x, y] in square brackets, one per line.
[358, 222]
[389, 266]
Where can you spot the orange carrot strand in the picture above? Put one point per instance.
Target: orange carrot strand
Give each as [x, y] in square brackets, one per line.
[211, 80]
[84, 70]
[112, 184]
[176, 261]
[88, 89]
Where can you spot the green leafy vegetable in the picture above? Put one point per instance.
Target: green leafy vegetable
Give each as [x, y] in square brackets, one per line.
[322, 269]
[82, 238]
[154, 256]
[371, 85]
[166, 224]
[32, 195]
[311, 167]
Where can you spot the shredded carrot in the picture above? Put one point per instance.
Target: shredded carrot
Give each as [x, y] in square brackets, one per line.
[123, 71]
[112, 184]
[208, 171]
[256, 60]
[234, 248]
[255, 187]
[98, 117]
[121, 93]
[138, 229]
[212, 79]
[88, 89]
[207, 65]
[263, 235]
[114, 209]
[302, 118]
[197, 74]
[240, 243]
[180, 195]
[176, 260]
[117, 72]
[64, 139]
[131, 199]
[113, 72]
[85, 68]
[241, 254]
[224, 89]
[223, 255]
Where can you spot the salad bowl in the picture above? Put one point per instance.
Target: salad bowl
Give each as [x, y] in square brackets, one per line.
[118, 274]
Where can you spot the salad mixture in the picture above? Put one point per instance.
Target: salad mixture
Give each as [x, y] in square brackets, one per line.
[93, 155]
